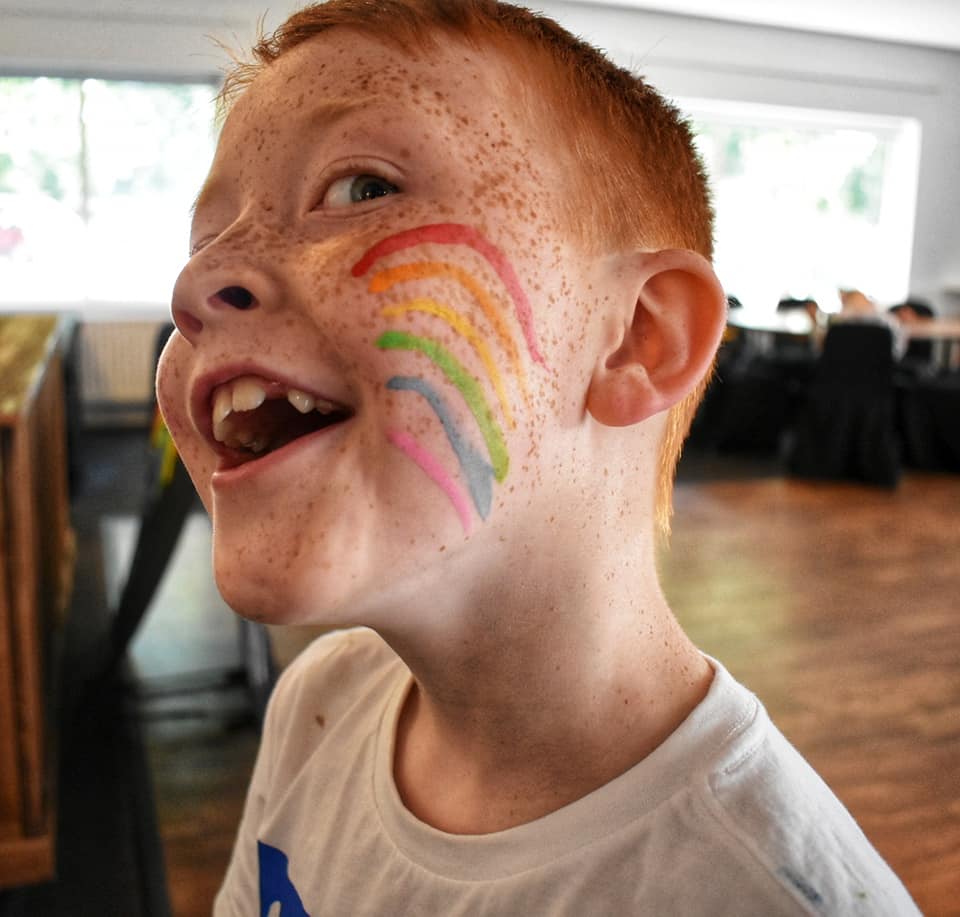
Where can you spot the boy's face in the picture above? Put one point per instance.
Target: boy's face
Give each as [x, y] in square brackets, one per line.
[378, 235]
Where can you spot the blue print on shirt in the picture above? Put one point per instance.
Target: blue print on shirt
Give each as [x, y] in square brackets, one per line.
[275, 884]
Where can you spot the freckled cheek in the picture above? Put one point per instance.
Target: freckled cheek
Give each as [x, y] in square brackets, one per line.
[341, 311]
[191, 448]
[404, 409]
[172, 388]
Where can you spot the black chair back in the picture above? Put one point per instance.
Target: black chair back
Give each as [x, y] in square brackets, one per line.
[919, 353]
[856, 353]
[847, 427]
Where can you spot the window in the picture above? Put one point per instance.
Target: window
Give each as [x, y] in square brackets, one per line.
[809, 201]
[96, 182]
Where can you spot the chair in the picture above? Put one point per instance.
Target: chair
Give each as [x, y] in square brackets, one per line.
[929, 408]
[748, 407]
[795, 356]
[753, 400]
[846, 428]
[919, 353]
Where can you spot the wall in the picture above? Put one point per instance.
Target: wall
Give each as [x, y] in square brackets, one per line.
[683, 56]
[693, 57]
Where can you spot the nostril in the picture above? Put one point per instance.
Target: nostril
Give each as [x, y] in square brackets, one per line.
[238, 297]
[187, 322]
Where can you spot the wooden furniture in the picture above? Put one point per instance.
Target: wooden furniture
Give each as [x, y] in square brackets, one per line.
[36, 574]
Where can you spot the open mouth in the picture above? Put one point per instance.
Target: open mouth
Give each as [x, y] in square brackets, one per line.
[253, 416]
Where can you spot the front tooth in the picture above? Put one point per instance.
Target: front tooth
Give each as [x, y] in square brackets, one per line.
[222, 405]
[324, 406]
[222, 409]
[303, 402]
[248, 395]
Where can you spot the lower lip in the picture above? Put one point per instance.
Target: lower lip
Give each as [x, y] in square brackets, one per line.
[256, 468]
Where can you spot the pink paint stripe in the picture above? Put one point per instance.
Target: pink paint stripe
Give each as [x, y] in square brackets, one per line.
[458, 234]
[436, 472]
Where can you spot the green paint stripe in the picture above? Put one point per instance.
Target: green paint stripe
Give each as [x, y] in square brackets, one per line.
[468, 387]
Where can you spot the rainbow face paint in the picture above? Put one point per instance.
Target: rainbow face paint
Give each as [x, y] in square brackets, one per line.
[434, 470]
[476, 469]
[468, 387]
[478, 466]
[458, 234]
[464, 327]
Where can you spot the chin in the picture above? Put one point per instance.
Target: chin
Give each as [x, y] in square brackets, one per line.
[255, 591]
[387, 597]
[328, 598]
[270, 604]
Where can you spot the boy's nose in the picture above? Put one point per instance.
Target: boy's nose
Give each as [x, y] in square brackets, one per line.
[204, 298]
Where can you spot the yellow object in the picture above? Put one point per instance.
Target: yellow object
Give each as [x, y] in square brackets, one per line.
[161, 440]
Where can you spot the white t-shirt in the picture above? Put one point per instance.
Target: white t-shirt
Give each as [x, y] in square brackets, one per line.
[724, 817]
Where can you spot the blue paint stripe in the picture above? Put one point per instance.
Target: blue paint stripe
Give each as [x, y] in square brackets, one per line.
[476, 469]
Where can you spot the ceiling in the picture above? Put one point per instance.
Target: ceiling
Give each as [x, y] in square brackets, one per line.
[934, 23]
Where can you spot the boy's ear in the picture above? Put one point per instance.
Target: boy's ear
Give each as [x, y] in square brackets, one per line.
[661, 349]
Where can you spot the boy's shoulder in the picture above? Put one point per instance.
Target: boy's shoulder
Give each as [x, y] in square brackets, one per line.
[772, 807]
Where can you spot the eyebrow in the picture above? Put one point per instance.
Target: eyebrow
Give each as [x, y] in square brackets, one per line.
[325, 115]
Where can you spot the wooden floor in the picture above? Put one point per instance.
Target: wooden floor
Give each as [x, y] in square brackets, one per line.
[200, 775]
[836, 604]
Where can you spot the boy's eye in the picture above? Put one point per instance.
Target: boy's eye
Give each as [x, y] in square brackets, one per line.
[355, 189]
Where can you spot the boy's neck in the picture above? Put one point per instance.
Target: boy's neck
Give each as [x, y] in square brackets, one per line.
[499, 732]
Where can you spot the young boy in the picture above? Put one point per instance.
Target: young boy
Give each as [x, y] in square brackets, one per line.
[448, 311]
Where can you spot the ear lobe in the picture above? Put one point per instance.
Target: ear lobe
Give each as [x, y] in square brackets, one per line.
[670, 333]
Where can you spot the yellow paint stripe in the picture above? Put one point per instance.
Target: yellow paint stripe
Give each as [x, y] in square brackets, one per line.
[425, 270]
[467, 330]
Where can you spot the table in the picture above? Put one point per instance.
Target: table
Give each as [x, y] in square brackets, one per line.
[769, 333]
[945, 334]
[792, 322]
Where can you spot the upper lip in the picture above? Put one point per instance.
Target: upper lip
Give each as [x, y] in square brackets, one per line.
[201, 397]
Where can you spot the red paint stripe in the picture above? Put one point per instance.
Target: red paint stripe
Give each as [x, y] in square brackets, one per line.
[458, 234]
